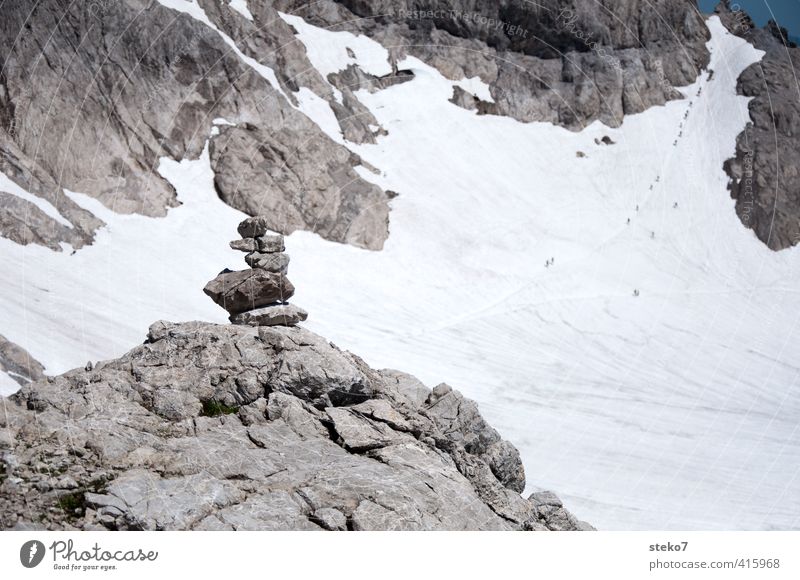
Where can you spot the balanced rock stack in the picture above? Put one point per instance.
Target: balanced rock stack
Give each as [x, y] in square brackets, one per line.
[258, 296]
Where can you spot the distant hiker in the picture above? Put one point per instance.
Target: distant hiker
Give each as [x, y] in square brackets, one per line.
[675, 205]
[637, 207]
[651, 187]
[652, 235]
[635, 292]
[629, 221]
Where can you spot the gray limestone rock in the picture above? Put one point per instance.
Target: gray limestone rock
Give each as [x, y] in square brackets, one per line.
[541, 498]
[330, 519]
[253, 227]
[568, 62]
[299, 180]
[764, 174]
[245, 290]
[153, 93]
[269, 262]
[244, 245]
[18, 362]
[301, 436]
[270, 243]
[272, 315]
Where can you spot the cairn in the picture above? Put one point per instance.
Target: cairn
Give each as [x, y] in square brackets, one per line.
[258, 296]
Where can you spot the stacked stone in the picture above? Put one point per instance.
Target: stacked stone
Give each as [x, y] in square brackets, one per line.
[258, 296]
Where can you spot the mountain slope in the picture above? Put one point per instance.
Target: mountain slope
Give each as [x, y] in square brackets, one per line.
[670, 409]
[224, 427]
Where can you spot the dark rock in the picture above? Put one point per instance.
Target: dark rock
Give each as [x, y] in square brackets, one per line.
[248, 289]
[253, 227]
[541, 498]
[270, 244]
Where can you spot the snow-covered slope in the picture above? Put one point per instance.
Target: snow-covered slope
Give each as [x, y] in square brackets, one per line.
[676, 408]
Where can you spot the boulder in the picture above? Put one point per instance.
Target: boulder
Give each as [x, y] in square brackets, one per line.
[270, 243]
[244, 245]
[269, 262]
[248, 289]
[253, 227]
[272, 315]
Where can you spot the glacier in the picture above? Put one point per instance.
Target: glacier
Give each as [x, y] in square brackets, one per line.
[650, 375]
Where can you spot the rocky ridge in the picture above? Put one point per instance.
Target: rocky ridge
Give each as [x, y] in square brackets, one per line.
[765, 180]
[18, 362]
[115, 86]
[146, 80]
[235, 427]
[569, 62]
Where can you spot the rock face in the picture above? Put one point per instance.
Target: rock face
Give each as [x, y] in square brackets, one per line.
[153, 92]
[18, 362]
[221, 427]
[568, 62]
[156, 90]
[765, 180]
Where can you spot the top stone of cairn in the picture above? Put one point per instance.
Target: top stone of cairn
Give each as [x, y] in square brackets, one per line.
[253, 227]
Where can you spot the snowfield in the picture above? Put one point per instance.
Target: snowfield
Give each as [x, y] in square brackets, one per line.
[676, 408]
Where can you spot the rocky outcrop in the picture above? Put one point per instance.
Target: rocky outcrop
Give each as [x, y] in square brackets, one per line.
[299, 180]
[568, 62]
[220, 427]
[765, 180]
[18, 363]
[146, 81]
[93, 94]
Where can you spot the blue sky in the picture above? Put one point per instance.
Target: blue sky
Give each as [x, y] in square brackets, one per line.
[784, 12]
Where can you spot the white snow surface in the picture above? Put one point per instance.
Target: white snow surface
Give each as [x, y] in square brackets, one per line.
[8, 386]
[66, 309]
[674, 409]
[331, 55]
